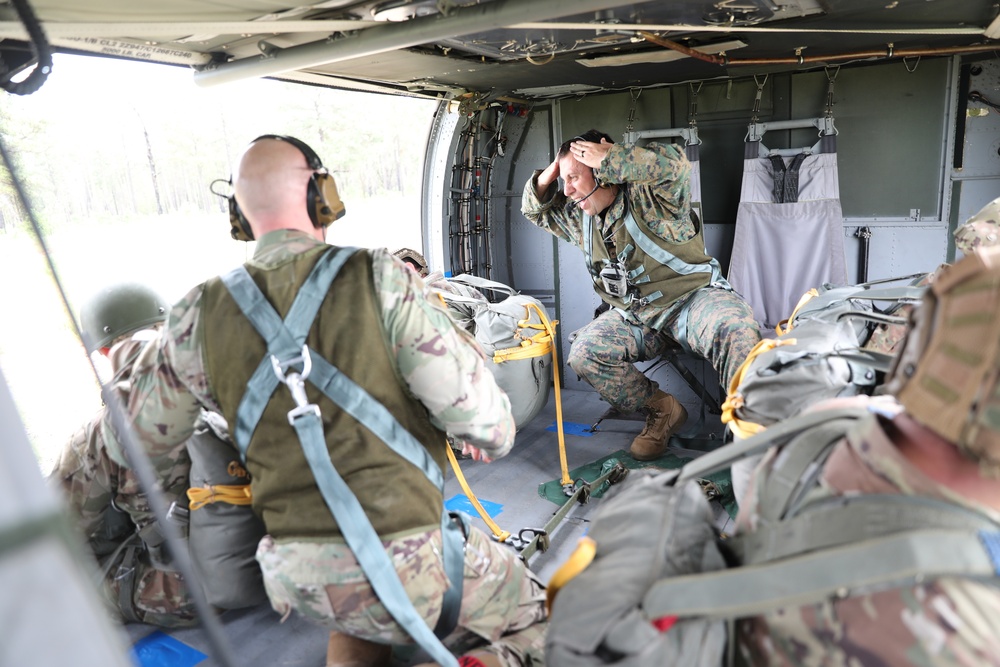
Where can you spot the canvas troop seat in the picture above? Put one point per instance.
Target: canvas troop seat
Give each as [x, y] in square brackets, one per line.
[789, 232]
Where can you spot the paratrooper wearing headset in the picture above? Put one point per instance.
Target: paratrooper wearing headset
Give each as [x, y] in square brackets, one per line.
[629, 209]
[341, 381]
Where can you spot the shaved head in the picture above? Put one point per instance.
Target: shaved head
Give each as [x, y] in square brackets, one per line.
[270, 185]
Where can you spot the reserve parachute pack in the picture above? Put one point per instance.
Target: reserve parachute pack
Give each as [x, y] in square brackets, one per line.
[223, 531]
[655, 583]
[820, 352]
[513, 333]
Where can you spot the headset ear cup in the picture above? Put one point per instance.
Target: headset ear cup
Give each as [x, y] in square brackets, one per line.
[328, 206]
[239, 227]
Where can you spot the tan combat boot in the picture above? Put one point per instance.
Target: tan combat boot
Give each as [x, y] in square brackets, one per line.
[664, 417]
[347, 651]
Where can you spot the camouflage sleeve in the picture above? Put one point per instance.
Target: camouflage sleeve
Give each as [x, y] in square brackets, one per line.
[86, 476]
[441, 363]
[659, 186]
[169, 384]
[549, 212]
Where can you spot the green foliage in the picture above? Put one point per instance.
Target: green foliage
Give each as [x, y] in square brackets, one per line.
[109, 139]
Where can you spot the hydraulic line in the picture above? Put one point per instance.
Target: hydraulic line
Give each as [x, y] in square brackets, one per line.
[889, 52]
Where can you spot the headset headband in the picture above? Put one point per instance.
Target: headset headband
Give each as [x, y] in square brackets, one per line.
[311, 158]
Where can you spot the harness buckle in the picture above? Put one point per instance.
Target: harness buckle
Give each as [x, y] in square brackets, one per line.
[296, 383]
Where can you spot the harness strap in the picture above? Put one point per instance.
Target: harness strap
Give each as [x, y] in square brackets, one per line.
[850, 519]
[125, 576]
[726, 455]
[270, 326]
[284, 338]
[364, 541]
[792, 475]
[677, 265]
[831, 573]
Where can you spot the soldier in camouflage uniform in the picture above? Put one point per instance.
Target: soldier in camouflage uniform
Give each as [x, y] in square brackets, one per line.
[377, 326]
[629, 209]
[939, 439]
[104, 494]
[982, 229]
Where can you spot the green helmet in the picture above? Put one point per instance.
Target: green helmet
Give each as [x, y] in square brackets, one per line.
[119, 310]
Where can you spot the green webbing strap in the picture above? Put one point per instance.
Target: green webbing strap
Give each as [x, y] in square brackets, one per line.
[725, 456]
[677, 265]
[125, 576]
[300, 316]
[832, 573]
[355, 401]
[284, 338]
[849, 519]
[363, 540]
[793, 474]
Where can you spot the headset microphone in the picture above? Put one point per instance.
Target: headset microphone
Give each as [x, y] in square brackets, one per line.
[576, 202]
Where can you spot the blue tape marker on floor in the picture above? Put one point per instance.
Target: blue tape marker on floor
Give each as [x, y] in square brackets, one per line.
[161, 650]
[572, 428]
[461, 503]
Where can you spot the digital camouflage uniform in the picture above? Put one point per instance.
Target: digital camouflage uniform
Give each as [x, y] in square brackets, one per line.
[503, 604]
[948, 621]
[108, 505]
[719, 324]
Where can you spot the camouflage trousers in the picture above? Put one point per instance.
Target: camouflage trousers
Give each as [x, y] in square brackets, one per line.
[714, 323]
[503, 604]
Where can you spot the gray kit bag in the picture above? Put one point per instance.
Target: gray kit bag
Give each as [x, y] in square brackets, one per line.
[223, 537]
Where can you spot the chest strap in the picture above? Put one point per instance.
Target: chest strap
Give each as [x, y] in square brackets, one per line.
[292, 363]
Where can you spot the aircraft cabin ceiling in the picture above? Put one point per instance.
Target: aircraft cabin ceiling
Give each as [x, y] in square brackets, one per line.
[526, 49]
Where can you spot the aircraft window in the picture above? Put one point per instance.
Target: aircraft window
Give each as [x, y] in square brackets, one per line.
[117, 158]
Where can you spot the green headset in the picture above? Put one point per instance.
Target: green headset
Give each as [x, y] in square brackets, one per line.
[323, 202]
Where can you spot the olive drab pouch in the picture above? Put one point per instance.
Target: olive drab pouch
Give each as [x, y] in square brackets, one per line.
[596, 614]
[511, 332]
[223, 530]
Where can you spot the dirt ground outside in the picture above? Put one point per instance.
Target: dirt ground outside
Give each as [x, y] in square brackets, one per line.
[41, 358]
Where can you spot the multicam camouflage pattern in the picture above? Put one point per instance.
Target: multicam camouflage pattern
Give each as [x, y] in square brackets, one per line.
[948, 621]
[981, 230]
[108, 505]
[503, 605]
[946, 375]
[720, 325]
[440, 362]
[720, 328]
[441, 366]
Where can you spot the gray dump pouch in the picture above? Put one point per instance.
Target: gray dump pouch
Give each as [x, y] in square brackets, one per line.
[597, 617]
[496, 327]
[223, 537]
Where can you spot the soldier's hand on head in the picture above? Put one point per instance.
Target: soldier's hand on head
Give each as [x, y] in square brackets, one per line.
[590, 153]
[548, 176]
